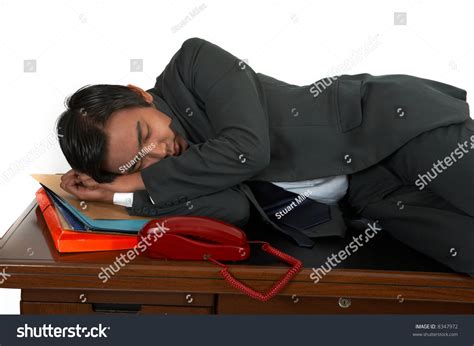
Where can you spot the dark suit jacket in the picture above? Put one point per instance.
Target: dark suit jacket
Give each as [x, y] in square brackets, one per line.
[244, 125]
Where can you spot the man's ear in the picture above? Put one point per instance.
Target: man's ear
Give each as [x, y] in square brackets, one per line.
[142, 93]
[136, 89]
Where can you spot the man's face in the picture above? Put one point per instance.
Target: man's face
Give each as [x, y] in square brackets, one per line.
[139, 131]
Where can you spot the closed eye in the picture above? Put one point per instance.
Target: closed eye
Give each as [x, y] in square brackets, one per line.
[148, 132]
[138, 165]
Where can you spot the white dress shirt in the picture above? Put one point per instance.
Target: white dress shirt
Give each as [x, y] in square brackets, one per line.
[327, 190]
[123, 198]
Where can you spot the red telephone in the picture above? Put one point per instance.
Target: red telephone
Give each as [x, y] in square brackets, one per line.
[203, 238]
[193, 237]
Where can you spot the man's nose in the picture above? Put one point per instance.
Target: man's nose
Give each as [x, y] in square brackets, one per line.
[158, 153]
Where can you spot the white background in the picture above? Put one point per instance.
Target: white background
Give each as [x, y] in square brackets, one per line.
[76, 43]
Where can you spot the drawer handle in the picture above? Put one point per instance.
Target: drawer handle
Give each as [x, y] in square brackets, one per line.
[111, 308]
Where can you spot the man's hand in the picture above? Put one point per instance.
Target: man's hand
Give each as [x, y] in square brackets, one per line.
[85, 188]
[72, 184]
[123, 183]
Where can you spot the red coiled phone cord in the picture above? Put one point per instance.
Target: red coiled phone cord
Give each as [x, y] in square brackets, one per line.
[295, 269]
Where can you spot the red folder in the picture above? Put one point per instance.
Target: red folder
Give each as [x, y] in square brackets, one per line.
[67, 240]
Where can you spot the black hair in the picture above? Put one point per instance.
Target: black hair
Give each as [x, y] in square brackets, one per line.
[80, 128]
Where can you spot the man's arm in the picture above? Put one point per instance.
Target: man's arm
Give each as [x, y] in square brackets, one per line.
[230, 205]
[235, 105]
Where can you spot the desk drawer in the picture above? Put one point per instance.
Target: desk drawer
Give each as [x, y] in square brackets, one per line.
[125, 297]
[50, 301]
[240, 304]
[78, 308]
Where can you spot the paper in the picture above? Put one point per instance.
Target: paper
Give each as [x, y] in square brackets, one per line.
[93, 210]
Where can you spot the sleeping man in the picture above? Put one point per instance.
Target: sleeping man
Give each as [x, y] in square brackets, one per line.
[213, 138]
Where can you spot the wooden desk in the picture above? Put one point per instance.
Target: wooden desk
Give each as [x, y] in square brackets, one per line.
[383, 278]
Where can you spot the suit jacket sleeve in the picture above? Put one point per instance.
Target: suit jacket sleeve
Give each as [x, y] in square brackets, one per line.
[230, 205]
[235, 105]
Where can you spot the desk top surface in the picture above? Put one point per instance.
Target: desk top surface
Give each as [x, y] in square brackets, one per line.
[28, 240]
[27, 249]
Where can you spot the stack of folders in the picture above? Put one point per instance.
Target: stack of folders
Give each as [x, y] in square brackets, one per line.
[81, 226]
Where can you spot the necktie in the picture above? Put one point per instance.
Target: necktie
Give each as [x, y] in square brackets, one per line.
[293, 213]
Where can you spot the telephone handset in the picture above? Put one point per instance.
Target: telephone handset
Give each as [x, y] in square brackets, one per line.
[204, 238]
[193, 237]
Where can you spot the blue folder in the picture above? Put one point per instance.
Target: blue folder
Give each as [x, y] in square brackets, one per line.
[86, 223]
[75, 223]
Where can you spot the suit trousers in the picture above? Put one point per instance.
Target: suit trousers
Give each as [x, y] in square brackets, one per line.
[423, 195]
